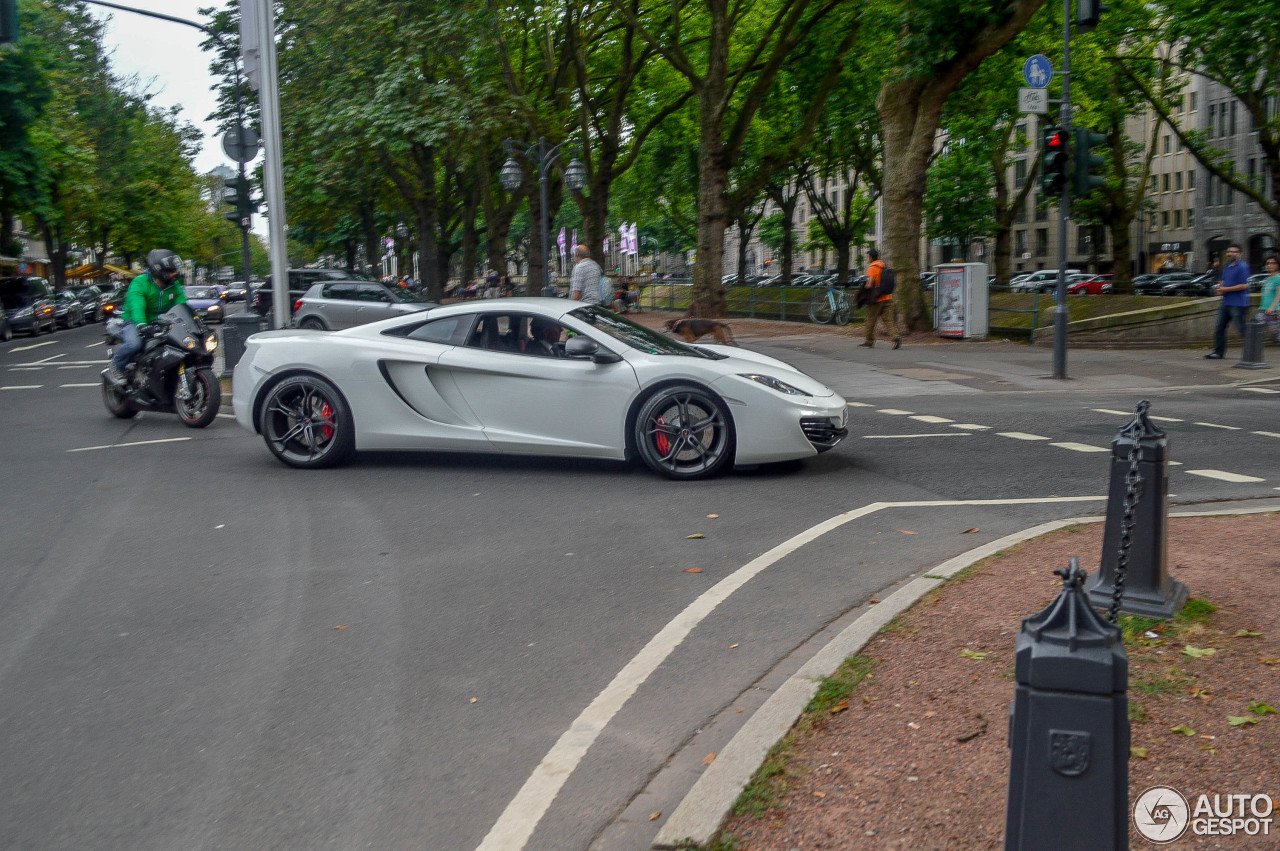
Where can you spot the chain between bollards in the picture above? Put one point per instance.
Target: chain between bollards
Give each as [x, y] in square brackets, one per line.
[1133, 492]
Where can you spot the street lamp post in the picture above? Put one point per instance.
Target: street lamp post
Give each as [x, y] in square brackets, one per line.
[543, 159]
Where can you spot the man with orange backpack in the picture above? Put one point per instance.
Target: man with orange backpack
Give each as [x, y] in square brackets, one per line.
[881, 281]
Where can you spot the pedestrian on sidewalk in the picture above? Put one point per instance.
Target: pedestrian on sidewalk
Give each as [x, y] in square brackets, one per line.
[1271, 296]
[584, 285]
[1234, 289]
[878, 305]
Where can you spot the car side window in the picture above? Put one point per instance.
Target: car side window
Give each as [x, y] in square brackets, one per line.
[339, 291]
[368, 292]
[444, 330]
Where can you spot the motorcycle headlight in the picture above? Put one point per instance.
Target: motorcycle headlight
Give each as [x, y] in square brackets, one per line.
[214, 307]
[189, 342]
[774, 384]
[211, 343]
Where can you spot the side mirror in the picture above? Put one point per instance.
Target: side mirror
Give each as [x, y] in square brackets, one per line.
[582, 347]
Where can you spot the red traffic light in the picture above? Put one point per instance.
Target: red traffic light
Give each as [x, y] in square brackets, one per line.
[1058, 140]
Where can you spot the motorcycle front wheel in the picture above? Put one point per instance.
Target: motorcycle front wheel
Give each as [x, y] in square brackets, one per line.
[201, 405]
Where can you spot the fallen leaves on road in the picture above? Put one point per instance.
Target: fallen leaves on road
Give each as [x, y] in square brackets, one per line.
[1248, 633]
[906, 532]
[839, 707]
[655, 816]
[1183, 729]
[474, 699]
[713, 516]
[973, 654]
[709, 758]
[693, 570]
[692, 537]
[339, 627]
[1197, 652]
[969, 531]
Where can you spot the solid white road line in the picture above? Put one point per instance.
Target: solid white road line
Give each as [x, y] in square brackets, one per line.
[1109, 411]
[135, 443]
[859, 404]
[1020, 435]
[46, 360]
[91, 345]
[22, 387]
[1224, 476]
[896, 436]
[32, 346]
[1081, 447]
[1267, 433]
[1260, 389]
[76, 366]
[94, 384]
[228, 416]
[970, 426]
[1215, 425]
[25, 368]
[926, 418]
[894, 412]
[520, 818]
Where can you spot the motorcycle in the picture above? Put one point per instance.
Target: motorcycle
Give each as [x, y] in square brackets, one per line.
[173, 373]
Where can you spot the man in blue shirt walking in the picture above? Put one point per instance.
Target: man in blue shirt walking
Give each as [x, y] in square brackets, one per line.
[1234, 289]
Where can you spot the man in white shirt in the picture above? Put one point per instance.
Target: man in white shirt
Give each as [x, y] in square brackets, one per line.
[584, 285]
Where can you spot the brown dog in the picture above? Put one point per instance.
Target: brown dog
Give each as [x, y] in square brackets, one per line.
[692, 329]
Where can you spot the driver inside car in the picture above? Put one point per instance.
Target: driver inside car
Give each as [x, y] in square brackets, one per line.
[546, 339]
[150, 294]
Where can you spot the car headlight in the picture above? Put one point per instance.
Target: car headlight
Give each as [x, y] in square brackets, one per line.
[211, 343]
[25, 313]
[773, 383]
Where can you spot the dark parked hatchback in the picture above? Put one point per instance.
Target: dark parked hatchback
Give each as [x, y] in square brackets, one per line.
[28, 304]
[300, 280]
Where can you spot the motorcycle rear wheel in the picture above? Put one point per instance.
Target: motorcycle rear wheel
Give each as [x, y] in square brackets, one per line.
[116, 402]
[202, 406]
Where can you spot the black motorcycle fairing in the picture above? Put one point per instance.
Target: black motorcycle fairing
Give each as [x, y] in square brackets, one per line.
[179, 340]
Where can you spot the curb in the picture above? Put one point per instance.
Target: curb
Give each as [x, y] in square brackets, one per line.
[705, 807]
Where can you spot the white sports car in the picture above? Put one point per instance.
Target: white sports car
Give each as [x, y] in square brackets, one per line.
[528, 376]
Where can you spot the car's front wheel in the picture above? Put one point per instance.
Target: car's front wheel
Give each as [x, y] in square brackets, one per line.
[306, 423]
[684, 432]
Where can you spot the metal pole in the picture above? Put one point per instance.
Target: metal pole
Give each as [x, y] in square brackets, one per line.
[272, 166]
[1064, 203]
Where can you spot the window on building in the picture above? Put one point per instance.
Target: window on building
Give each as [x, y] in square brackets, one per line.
[1177, 218]
[1020, 143]
[1164, 218]
[1019, 173]
[1229, 191]
[1177, 105]
[1192, 105]
[1042, 242]
[1168, 143]
[1253, 171]
[1233, 118]
[1177, 180]
[1084, 241]
[1222, 119]
[1041, 208]
[1020, 214]
[1153, 184]
[1191, 218]
[1191, 180]
[1164, 181]
[1020, 242]
[1213, 110]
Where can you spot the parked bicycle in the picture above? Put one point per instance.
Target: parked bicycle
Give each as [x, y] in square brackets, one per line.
[831, 303]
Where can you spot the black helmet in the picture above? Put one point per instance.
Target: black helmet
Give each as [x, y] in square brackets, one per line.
[164, 265]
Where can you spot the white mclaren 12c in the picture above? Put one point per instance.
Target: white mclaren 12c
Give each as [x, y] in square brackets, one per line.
[529, 376]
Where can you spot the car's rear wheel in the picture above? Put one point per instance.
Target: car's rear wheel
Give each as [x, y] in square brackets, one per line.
[311, 323]
[307, 423]
[684, 432]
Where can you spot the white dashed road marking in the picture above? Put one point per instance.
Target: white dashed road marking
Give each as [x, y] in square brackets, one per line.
[94, 384]
[1080, 447]
[135, 443]
[1267, 433]
[1130, 414]
[46, 360]
[859, 405]
[1020, 435]
[91, 345]
[894, 412]
[926, 418]
[22, 387]
[32, 346]
[1260, 389]
[896, 436]
[1224, 477]
[1215, 425]
[970, 426]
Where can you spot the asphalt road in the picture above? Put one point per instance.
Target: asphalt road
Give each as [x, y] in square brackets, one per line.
[201, 648]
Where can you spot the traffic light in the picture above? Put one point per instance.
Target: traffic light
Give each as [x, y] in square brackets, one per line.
[8, 21]
[1087, 14]
[1087, 162]
[236, 192]
[1053, 178]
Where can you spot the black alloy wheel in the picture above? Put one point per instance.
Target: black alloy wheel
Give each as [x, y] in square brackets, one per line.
[307, 423]
[684, 432]
[198, 403]
[116, 402]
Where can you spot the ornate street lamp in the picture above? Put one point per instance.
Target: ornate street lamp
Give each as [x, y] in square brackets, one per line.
[543, 159]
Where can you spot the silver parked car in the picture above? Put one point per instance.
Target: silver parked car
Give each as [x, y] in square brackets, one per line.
[334, 305]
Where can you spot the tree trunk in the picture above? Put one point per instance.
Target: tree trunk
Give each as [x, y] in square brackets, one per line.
[713, 218]
[369, 231]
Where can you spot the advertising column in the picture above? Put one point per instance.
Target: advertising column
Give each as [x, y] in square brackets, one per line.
[960, 300]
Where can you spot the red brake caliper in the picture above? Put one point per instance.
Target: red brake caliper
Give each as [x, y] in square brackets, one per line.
[326, 413]
[660, 439]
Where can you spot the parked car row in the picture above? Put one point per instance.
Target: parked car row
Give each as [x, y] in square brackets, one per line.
[31, 305]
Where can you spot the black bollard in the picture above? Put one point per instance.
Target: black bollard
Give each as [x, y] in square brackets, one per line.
[1137, 524]
[1255, 336]
[1069, 730]
[235, 331]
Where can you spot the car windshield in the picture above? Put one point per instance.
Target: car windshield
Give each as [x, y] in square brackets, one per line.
[202, 292]
[634, 335]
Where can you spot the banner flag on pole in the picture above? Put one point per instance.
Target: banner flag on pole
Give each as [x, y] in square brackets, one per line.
[575, 238]
[560, 242]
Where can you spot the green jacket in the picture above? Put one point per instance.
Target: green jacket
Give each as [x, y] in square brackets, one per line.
[145, 301]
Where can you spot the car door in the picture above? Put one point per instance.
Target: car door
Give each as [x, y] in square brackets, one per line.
[338, 305]
[540, 405]
[373, 302]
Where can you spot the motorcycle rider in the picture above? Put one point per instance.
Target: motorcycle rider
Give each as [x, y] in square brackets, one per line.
[150, 294]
